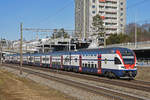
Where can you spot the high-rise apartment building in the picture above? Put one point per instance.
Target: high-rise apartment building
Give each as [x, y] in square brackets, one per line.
[113, 13]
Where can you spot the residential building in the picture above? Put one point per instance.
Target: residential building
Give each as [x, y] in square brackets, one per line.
[113, 13]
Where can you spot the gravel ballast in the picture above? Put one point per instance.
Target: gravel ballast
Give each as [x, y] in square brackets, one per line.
[71, 91]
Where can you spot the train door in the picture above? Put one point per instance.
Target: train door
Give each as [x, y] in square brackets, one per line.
[99, 71]
[67, 61]
[40, 61]
[108, 61]
[34, 59]
[80, 63]
[43, 60]
[61, 61]
[37, 60]
[75, 62]
[27, 59]
[30, 60]
[50, 61]
[47, 60]
[18, 59]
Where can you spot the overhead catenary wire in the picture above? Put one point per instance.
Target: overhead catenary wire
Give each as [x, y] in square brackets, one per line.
[57, 12]
[141, 2]
[68, 3]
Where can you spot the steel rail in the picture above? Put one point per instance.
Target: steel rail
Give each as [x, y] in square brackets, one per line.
[133, 84]
[90, 88]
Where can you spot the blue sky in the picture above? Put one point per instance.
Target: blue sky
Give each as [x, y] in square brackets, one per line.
[52, 14]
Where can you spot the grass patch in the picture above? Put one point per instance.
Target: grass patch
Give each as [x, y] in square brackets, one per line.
[15, 88]
[143, 73]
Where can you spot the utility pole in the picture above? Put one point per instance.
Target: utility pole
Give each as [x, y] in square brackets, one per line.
[104, 39]
[1, 52]
[69, 45]
[21, 38]
[84, 19]
[135, 33]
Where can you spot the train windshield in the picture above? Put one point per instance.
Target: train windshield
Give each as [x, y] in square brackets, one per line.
[127, 53]
[128, 57]
[129, 61]
[117, 61]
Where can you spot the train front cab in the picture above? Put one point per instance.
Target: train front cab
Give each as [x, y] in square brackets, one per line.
[119, 65]
[126, 62]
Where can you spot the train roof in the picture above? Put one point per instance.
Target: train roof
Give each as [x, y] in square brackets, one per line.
[82, 51]
[103, 49]
[92, 51]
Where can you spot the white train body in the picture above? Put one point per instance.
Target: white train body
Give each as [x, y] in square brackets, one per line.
[111, 62]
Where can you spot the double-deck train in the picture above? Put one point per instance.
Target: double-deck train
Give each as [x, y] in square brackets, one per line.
[112, 62]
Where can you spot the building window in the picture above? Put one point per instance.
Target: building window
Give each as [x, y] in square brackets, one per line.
[93, 12]
[114, 18]
[113, 13]
[121, 14]
[121, 3]
[93, 1]
[102, 0]
[93, 6]
[111, 2]
[101, 6]
[101, 12]
[121, 8]
[110, 7]
[121, 19]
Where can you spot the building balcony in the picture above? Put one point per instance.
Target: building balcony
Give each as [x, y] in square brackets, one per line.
[111, 26]
[112, 0]
[110, 10]
[111, 31]
[110, 21]
[110, 4]
[111, 15]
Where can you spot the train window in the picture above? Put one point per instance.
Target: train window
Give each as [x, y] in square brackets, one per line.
[95, 66]
[76, 59]
[117, 61]
[89, 65]
[105, 61]
[127, 53]
[128, 61]
[92, 65]
[47, 59]
[30, 58]
[85, 65]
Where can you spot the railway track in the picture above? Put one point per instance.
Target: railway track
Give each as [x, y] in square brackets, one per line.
[117, 95]
[132, 84]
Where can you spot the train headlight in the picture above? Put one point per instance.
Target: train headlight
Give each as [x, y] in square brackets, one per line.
[123, 67]
[123, 72]
[135, 67]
